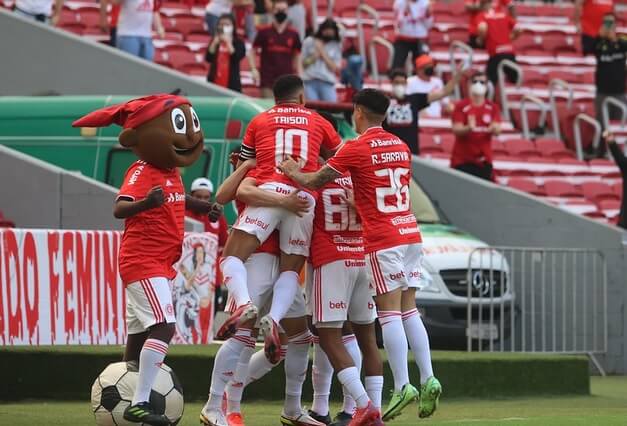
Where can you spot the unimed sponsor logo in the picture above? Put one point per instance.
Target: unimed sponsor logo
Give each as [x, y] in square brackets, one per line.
[397, 276]
[354, 263]
[337, 305]
[257, 222]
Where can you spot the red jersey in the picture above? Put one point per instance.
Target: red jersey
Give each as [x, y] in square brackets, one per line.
[336, 228]
[152, 239]
[219, 228]
[500, 25]
[223, 65]
[380, 167]
[592, 15]
[283, 131]
[475, 17]
[476, 146]
[277, 53]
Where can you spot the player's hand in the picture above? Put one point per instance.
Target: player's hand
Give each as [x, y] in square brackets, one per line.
[349, 197]
[295, 203]
[215, 211]
[608, 137]
[472, 123]
[289, 167]
[155, 197]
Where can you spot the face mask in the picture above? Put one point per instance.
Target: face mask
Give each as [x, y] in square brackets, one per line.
[227, 30]
[327, 38]
[399, 91]
[429, 71]
[478, 89]
[280, 17]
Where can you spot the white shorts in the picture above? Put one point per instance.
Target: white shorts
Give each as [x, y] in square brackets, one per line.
[395, 267]
[294, 231]
[340, 291]
[263, 270]
[148, 302]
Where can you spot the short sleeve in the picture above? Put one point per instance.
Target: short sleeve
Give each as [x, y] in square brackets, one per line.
[331, 139]
[458, 114]
[137, 182]
[419, 100]
[248, 143]
[346, 158]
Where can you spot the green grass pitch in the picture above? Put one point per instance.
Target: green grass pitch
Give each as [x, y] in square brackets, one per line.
[607, 405]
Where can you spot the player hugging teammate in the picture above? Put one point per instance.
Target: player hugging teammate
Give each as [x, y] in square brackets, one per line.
[277, 177]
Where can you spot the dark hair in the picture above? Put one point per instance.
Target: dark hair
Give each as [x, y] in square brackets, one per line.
[330, 118]
[231, 18]
[328, 24]
[476, 73]
[397, 72]
[373, 100]
[287, 87]
[204, 255]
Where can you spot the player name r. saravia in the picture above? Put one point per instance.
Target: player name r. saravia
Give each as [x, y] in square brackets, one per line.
[389, 157]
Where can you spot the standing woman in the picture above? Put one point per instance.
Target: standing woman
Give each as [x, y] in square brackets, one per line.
[322, 57]
[224, 54]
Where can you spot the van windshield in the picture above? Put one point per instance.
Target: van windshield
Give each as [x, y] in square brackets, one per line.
[422, 206]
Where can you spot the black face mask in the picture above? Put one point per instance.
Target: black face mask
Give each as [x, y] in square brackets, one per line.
[280, 17]
[429, 71]
[327, 38]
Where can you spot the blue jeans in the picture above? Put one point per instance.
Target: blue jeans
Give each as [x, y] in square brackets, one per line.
[352, 74]
[135, 45]
[318, 90]
[212, 23]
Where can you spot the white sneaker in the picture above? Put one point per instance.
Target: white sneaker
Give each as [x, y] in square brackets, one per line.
[212, 417]
[303, 419]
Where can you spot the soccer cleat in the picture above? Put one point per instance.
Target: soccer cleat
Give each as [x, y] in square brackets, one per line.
[399, 401]
[342, 419]
[212, 417]
[234, 419]
[242, 314]
[322, 419]
[272, 341]
[367, 416]
[142, 413]
[429, 397]
[303, 419]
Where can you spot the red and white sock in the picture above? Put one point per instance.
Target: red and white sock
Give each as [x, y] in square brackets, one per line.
[295, 365]
[349, 378]
[374, 388]
[283, 295]
[395, 344]
[150, 359]
[419, 343]
[321, 377]
[235, 278]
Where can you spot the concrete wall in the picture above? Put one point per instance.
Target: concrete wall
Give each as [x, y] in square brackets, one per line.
[35, 194]
[505, 217]
[38, 59]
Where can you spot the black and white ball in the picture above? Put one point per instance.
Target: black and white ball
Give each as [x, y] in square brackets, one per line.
[113, 391]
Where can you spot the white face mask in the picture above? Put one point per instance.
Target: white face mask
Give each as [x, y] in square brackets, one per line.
[227, 30]
[478, 89]
[399, 90]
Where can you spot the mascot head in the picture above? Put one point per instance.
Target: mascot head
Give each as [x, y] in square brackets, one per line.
[162, 130]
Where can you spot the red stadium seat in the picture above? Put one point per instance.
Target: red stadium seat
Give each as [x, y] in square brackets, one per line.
[195, 69]
[526, 185]
[597, 191]
[618, 189]
[89, 17]
[178, 58]
[553, 148]
[428, 144]
[560, 188]
[609, 205]
[203, 38]
[68, 16]
[499, 148]
[521, 148]
[76, 28]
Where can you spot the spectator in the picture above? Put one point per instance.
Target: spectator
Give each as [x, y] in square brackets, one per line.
[413, 21]
[352, 73]
[202, 189]
[474, 9]
[610, 52]
[496, 30]
[475, 121]
[297, 17]
[402, 116]
[109, 20]
[134, 33]
[40, 10]
[322, 58]
[224, 54]
[621, 162]
[279, 49]
[243, 12]
[588, 18]
[213, 11]
[425, 81]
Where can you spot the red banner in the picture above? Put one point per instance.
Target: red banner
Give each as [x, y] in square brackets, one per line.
[62, 287]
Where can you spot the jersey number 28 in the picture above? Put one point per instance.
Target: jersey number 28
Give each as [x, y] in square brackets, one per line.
[393, 198]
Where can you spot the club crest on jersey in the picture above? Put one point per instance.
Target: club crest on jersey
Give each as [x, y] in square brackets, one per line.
[487, 118]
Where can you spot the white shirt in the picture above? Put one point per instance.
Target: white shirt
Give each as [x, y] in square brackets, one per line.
[417, 85]
[411, 18]
[218, 7]
[35, 7]
[136, 18]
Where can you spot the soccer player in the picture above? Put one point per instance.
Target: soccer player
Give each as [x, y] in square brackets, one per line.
[340, 290]
[380, 168]
[286, 130]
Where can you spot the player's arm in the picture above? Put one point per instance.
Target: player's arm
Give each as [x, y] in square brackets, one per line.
[313, 180]
[228, 189]
[126, 207]
[448, 89]
[251, 195]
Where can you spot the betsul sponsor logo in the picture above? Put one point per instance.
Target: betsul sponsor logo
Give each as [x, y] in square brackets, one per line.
[397, 276]
[255, 221]
[297, 242]
[337, 305]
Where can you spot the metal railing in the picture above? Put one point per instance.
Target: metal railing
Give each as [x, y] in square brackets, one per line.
[605, 108]
[374, 63]
[557, 83]
[596, 140]
[524, 117]
[501, 80]
[464, 48]
[541, 300]
[361, 38]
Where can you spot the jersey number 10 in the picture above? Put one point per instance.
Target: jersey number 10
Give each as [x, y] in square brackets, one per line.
[284, 145]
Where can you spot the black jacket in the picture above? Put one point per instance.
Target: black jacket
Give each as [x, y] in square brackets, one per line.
[621, 162]
[235, 82]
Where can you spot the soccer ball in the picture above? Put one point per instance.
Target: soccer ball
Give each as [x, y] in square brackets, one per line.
[113, 391]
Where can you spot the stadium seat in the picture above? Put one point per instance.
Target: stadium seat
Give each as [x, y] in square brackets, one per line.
[521, 148]
[597, 191]
[89, 17]
[561, 188]
[526, 185]
[76, 28]
[203, 38]
[499, 148]
[553, 148]
[195, 69]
